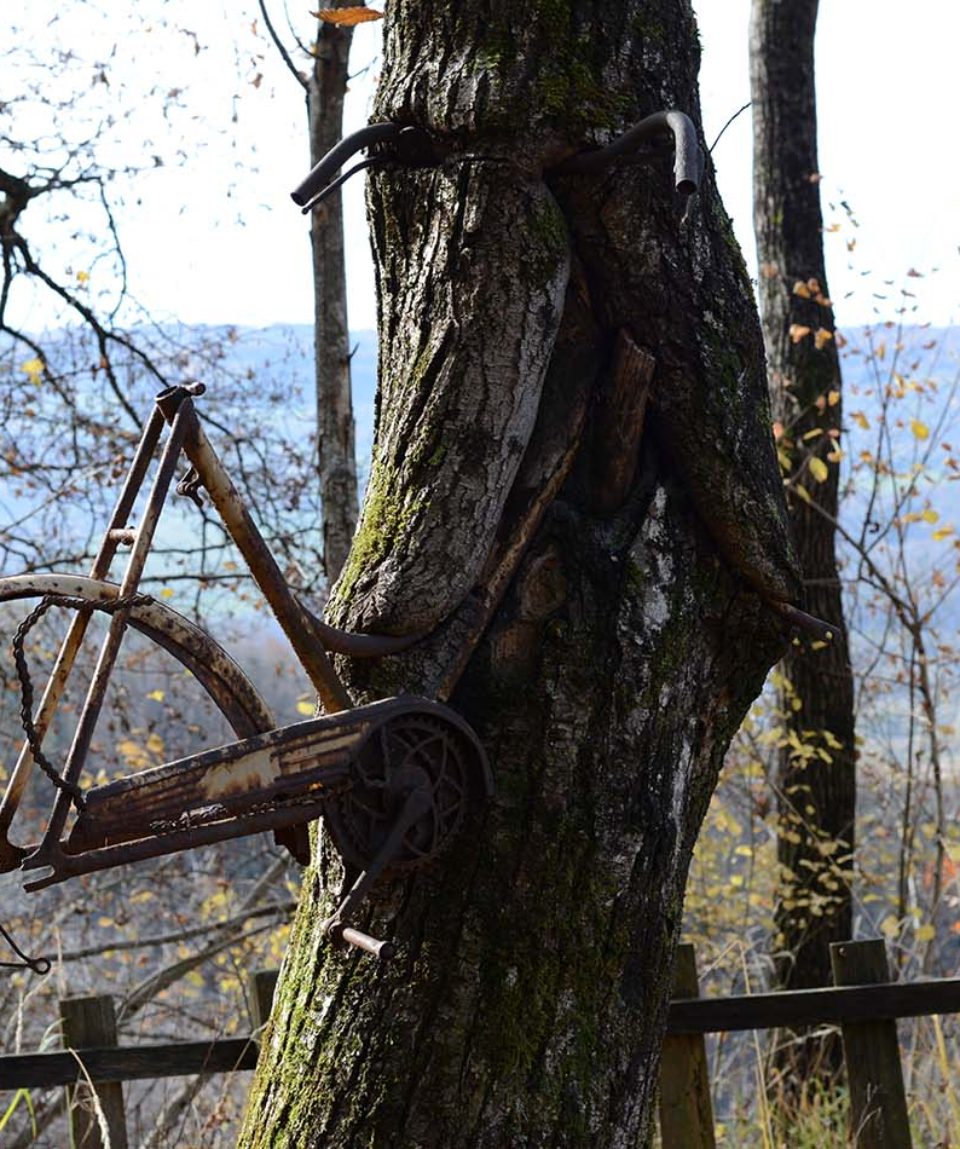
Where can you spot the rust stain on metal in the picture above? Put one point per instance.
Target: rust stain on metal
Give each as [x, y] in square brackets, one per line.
[256, 772]
[394, 779]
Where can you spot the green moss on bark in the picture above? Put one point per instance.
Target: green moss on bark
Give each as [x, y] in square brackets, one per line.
[387, 518]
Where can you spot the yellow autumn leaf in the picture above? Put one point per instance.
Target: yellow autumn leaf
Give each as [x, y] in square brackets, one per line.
[821, 338]
[861, 420]
[833, 398]
[156, 695]
[926, 933]
[166, 592]
[347, 17]
[890, 926]
[941, 533]
[919, 429]
[33, 369]
[307, 708]
[83, 277]
[929, 515]
[798, 332]
[801, 289]
[819, 469]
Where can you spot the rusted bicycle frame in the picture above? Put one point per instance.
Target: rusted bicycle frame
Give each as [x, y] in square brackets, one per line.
[394, 779]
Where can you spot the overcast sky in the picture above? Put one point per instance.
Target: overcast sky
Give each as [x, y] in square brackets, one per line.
[236, 251]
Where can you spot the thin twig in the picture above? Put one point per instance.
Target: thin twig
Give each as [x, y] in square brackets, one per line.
[738, 112]
[279, 45]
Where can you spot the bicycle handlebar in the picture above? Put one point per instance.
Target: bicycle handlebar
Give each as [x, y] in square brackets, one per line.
[688, 161]
[412, 146]
[315, 183]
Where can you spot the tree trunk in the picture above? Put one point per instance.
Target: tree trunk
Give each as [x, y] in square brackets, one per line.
[522, 314]
[817, 778]
[336, 451]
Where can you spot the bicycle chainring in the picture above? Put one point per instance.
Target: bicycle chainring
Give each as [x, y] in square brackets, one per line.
[360, 818]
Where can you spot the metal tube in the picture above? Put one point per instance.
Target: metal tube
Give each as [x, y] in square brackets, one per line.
[86, 724]
[321, 195]
[382, 950]
[824, 631]
[338, 155]
[65, 866]
[11, 854]
[688, 159]
[293, 619]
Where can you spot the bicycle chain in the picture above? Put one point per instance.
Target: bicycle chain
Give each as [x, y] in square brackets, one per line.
[26, 686]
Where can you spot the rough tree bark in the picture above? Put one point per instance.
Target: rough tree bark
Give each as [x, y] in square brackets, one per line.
[325, 87]
[816, 784]
[521, 314]
[336, 448]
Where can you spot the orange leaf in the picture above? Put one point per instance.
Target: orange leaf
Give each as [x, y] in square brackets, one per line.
[821, 338]
[798, 332]
[347, 17]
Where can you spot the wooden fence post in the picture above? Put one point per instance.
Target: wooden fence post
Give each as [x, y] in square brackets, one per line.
[263, 983]
[88, 1022]
[877, 1099]
[686, 1112]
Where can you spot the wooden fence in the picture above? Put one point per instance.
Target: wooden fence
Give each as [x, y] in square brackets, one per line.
[863, 1003]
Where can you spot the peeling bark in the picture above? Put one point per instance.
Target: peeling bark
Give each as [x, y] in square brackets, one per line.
[528, 1001]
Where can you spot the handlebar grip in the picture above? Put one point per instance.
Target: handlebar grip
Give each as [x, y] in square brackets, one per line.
[338, 155]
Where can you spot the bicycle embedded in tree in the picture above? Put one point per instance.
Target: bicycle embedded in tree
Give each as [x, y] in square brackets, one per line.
[394, 780]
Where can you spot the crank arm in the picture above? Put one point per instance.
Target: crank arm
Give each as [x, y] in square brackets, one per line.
[418, 803]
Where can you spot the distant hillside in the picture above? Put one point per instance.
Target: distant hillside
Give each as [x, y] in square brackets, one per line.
[924, 353]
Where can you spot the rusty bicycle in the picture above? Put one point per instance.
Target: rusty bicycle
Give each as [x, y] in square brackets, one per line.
[393, 779]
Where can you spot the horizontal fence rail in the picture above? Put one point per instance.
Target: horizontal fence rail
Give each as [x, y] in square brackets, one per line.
[864, 1005]
[814, 1006]
[686, 1016]
[128, 1062]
